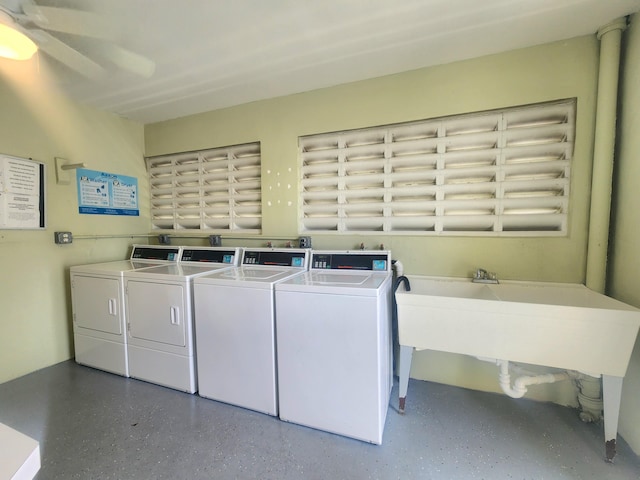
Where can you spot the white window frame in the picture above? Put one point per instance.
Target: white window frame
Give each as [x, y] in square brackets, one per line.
[215, 190]
[495, 173]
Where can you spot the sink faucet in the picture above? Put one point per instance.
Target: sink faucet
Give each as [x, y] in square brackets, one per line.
[482, 276]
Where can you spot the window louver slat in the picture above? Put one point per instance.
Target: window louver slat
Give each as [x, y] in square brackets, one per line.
[501, 172]
[217, 189]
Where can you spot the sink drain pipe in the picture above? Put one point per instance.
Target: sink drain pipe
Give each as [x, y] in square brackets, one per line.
[520, 385]
[589, 387]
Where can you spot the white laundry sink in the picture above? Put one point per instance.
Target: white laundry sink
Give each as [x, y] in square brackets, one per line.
[557, 325]
[554, 324]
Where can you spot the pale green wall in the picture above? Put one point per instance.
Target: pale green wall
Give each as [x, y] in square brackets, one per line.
[624, 273]
[559, 70]
[37, 122]
[554, 71]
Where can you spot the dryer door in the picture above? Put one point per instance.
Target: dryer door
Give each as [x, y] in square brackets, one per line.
[157, 312]
[97, 303]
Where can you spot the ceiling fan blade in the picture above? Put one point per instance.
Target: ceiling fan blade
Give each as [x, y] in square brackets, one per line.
[66, 20]
[130, 61]
[67, 55]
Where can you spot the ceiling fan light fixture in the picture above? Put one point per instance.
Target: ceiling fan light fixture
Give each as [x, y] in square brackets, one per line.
[15, 45]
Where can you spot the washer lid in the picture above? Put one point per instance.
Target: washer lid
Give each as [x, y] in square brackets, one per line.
[250, 277]
[338, 283]
[317, 278]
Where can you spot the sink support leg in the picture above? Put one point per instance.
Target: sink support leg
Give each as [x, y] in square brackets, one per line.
[406, 354]
[611, 395]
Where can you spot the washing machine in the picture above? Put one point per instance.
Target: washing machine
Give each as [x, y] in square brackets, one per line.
[97, 301]
[159, 309]
[333, 329]
[234, 310]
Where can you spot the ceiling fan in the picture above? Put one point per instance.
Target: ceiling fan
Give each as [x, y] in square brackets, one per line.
[76, 38]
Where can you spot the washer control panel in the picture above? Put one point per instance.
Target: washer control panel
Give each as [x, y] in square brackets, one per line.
[210, 255]
[288, 257]
[374, 261]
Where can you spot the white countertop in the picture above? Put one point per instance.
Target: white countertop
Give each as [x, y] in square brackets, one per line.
[19, 455]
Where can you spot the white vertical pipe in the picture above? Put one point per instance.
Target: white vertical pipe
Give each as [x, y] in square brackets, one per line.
[610, 37]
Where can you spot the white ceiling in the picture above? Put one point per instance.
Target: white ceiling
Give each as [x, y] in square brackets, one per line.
[211, 54]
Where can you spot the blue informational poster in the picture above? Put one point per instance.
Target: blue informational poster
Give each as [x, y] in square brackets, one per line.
[101, 193]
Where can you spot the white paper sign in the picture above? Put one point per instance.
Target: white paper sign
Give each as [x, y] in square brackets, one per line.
[21, 193]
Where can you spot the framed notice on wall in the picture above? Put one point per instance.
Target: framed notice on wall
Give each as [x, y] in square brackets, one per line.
[22, 193]
[102, 193]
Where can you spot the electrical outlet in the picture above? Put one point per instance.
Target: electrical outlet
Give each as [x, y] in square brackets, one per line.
[215, 240]
[304, 242]
[62, 237]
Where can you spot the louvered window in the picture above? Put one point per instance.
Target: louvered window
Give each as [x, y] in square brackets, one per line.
[497, 172]
[217, 189]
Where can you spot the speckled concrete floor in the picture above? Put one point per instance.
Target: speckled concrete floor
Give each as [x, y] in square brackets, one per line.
[94, 425]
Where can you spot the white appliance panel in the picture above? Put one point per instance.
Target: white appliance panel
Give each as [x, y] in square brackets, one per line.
[163, 368]
[160, 312]
[101, 353]
[235, 346]
[97, 303]
[332, 363]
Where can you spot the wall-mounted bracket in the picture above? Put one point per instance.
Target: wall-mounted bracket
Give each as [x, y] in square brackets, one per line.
[62, 170]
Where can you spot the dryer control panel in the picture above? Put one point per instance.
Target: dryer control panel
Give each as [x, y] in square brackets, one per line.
[155, 252]
[374, 261]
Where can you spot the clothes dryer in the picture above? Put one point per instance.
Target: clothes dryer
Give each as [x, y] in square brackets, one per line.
[333, 329]
[234, 310]
[159, 309]
[97, 300]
